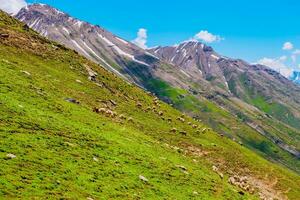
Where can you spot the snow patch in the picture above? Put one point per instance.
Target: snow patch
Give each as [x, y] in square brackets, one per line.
[66, 30]
[121, 40]
[120, 51]
[79, 47]
[185, 73]
[112, 69]
[215, 57]
[200, 71]
[35, 21]
[150, 54]
[156, 50]
[173, 58]
[78, 23]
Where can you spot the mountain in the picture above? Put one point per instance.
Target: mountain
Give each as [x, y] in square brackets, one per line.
[91, 41]
[295, 77]
[251, 104]
[70, 129]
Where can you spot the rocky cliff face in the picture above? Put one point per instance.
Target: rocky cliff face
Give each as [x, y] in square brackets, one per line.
[236, 98]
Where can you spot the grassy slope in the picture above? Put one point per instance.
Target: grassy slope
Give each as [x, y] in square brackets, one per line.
[56, 141]
[227, 124]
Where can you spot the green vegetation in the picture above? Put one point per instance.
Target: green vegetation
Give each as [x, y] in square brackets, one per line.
[64, 150]
[225, 123]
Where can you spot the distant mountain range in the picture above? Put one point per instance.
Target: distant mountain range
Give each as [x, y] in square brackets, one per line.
[252, 104]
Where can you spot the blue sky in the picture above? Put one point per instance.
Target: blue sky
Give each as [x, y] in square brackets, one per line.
[252, 30]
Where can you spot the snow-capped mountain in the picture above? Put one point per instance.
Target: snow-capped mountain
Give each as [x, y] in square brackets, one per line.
[89, 40]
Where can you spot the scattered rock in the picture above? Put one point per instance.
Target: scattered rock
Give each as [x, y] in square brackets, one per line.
[113, 102]
[70, 144]
[78, 81]
[142, 178]
[89, 198]
[214, 168]
[71, 100]
[26, 72]
[221, 175]
[95, 159]
[11, 156]
[182, 167]
[4, 35]
[26, 27]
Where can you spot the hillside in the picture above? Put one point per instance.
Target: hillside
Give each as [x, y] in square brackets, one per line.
[56, 142]
[53, 144]
[237, 99]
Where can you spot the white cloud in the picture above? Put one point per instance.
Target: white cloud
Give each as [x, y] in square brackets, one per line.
[277, 64]
[208, 37]
[294, 55]
[12, 6]
[141, 39]
[287, 46]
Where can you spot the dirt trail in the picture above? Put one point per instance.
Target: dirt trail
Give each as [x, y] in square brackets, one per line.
[265, 189]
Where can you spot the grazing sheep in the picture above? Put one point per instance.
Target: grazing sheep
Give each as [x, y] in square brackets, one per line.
[156, 102]
[95, 110]
[204, 130]
[183, 133]
[122, 116]
[161, 113]
[108, 113]
[195, 126]
[99, 110]
[189, 123]
[173, 130]
[169, 120]
[148, 108]
[130, 119]
[139, 105]
[181, 119]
